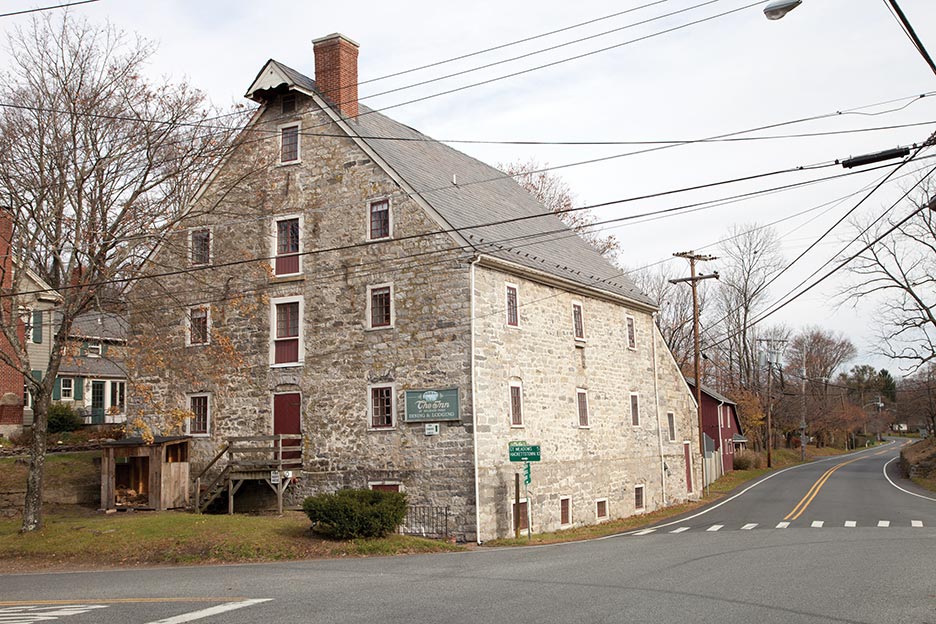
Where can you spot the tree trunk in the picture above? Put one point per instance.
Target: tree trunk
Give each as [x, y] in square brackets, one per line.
[32, 509]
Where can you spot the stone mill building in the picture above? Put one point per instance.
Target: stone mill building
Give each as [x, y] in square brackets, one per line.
[410, 311]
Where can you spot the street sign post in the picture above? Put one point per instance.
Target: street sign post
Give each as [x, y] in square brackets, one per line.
[526, 473]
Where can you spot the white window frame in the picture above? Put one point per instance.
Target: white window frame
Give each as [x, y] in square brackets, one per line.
[27, 396]
[273, 243]
[367, 306]
[188, 421]
[514, 384]
[188, 325]
[607, 515]
[71, 388]
[507, 287]
[671, 418]
[630, 319]
[393, 406]
[584, 330]
[28, 324]
[571, 514]
[190, 247]
[94, 349]
[273, 303]
[578, 417]
[367, 223]
[399, 484]
[279, 135]
[630, 408]
[643, 497]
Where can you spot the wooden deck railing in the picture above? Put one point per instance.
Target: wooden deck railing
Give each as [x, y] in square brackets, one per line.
[255, 453]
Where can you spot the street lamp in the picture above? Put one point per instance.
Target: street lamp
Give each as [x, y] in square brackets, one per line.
[776, 10]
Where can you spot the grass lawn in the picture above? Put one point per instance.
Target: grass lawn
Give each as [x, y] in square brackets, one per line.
[61, 470]
[76, 537]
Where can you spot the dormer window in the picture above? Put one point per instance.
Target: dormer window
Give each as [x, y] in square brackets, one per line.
[289, 103]
[93, 349]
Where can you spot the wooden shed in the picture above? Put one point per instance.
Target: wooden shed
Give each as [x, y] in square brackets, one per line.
[138, 475]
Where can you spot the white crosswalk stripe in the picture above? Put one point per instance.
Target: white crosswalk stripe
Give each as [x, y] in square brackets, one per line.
[645, 532]
[29, 614]
[715, 527]
[851, 523]
[782, 525]
[916, 523]
[680, 530]
[817, 524]
[884, 523]
[748, 527]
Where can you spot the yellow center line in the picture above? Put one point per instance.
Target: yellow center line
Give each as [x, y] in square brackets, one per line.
[20, 603]
[814, 490]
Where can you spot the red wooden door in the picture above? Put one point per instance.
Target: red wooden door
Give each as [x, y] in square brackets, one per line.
[688, 468]
[286, 420]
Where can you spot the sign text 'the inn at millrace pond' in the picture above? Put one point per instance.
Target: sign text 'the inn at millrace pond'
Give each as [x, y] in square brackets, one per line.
[432, 405]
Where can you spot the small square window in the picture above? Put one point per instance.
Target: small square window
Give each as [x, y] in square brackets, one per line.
[671, 424]
[380, 304]
[67, 388]
[290, 144]
[289, 103]
[578, 321]
[381, 403]
[513, 313]
[639, 497]
[379, 219]
[601, 508]
[516, 405]
[201, 247]
[631, 333]
[582, 400]
[635, 409]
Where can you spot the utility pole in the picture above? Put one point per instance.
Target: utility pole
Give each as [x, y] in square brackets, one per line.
[692, 257]
[803, 416]
[772, 358]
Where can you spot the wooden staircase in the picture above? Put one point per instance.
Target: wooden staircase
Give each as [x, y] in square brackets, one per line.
[271, 459]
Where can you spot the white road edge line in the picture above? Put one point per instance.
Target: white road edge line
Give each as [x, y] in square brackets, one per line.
[203, 613]
[645, 532]
[754, 485]
[900, 488]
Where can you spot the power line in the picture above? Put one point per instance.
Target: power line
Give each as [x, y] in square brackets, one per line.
[47, 8]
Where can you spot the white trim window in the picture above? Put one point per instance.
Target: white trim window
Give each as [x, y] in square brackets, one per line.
[512, 296]
[581, 402]
[287, 245]
[671, 425]
[287, 347]
[602, 512]
[381, 406]
[93, 349]
[565, 511]
[639, 498]
[379, 308]
[385, 486]
[578, 321]
[631, 324]
[379, 219]
[200, 246]
[289, 143]
[198, 326]
[200, 422]
[515, 400]
[635, 409]
[67, 388]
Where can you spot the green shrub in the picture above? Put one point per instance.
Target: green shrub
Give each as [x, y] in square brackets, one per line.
[63, 418]
[743, 462]
[356, 513]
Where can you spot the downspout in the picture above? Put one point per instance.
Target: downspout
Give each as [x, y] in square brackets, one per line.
[656, 404]
[474, 411]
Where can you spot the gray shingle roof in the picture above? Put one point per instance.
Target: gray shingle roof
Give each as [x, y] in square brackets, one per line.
[83, 366]
[718, 397]
[100, 325]
[484, 195]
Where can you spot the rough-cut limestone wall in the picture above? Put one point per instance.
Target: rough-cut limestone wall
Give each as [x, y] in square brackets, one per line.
[428, 347]
[606, 460]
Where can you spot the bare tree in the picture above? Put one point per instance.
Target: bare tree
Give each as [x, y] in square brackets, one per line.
[555, 194]
[96, 164]
[899, 273]
[748, 259]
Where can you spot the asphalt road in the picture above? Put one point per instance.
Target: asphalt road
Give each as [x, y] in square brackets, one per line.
[680, 572]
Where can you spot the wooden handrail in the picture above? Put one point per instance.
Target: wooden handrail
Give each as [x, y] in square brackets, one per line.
[214, 461]
[269, 438]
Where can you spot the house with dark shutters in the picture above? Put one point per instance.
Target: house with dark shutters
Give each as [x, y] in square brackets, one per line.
[357, 284]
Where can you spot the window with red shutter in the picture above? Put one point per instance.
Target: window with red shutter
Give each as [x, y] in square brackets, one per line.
[287, 247]
[286, 342]
[565, 511]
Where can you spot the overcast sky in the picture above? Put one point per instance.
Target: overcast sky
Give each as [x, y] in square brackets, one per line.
[730, 73]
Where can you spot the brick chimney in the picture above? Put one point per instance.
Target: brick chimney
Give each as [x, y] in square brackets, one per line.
[336, 71]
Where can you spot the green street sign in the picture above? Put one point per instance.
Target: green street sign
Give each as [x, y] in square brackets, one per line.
[527, 479]
[524, 453]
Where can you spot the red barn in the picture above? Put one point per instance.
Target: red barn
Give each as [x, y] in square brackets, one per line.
[720, 422]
